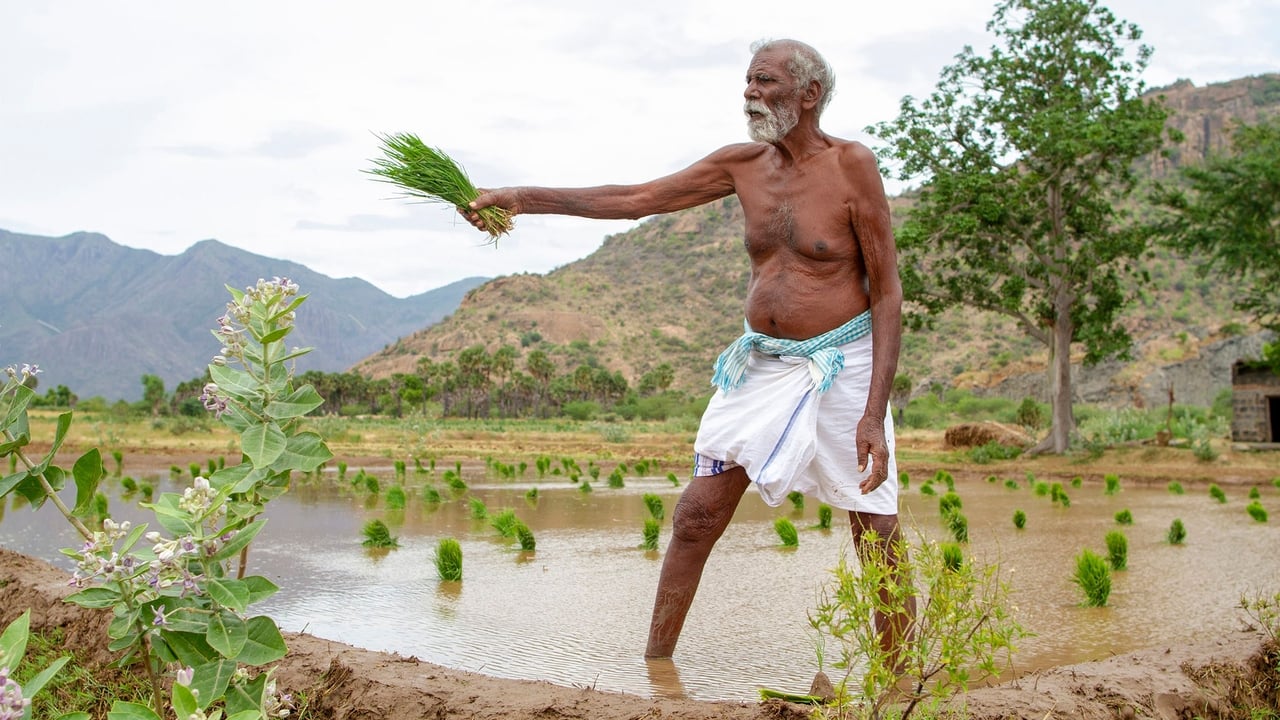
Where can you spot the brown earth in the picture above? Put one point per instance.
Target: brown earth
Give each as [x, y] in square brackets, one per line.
[1212, 680]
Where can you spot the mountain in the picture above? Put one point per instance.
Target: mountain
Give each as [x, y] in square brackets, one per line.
[96, 315]
[671, 290]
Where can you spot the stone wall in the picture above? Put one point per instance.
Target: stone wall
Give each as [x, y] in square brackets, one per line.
[1252, 418]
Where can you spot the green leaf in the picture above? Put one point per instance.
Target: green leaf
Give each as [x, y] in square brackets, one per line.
[59, 435]
[288, 308]
[95, 597]
[243, 537]
[228, 593]
[37, 683]
[246, 697]
[265, 643]
[275, 335]
[236, 294]
[298, 403]
[74, 716]
[245, 715]
[234, 383]
[190, 648]
[123, 643]
[295, 354]
[263, 443]
[251, 480]
[305, 452]
[184, 702]
[185, 619]
[87, 473]
[13, 642]
[17, 411]
[11, 481]
[210, 680]
[170, 517]
[229, 477]
[133, 537]
[227, 634]
[259, 588]
[130, 711]
[19, 440]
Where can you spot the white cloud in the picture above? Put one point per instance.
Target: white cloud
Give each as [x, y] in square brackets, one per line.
[161, 124]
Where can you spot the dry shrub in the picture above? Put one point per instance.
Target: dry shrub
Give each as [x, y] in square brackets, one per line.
[978, 434]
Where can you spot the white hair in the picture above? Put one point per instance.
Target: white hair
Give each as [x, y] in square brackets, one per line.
[806, 65]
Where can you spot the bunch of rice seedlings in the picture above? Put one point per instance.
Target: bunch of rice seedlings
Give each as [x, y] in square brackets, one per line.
[427, 173]
[1175, 487]
[395, 498]
[585, 487]
[948, 503]
[1216, 493]
[1077, 481]
[654, 505]
[1058, 495]
[992, 478]
[377, 535]
[1256, 511]
[797, 500]
[194, 469]
[400, 470]
[927, 489]
[651, 528]
[119, 458]
[453, 478]
[174, 471]
[1019, 519]
[952, 556]
[100, 507]
[904, 480]
[615, 478]
[449, 559]
[1177, 532]
[1255, 493]
[505, 522]
[1117, 550]
[531, 495]
[671, 478]
[786, 532]
[431, 495]
[959, 526]
[944, 477]
[1011, 484]
[1041, 488]
[824, 516]
[129, 484]
[147, 490]
[212, 464]
[418, 467]
[525, 536]
[479, 511]
[342, 471]
[1124, 517]
[1112, 484]
[370, 482]
[1094, 578]
[1276, 481]
[593, 470]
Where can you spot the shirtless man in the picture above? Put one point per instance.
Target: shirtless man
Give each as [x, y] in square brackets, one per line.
[822, 255]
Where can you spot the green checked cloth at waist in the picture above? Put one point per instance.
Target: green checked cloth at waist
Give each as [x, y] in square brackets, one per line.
[825, 359]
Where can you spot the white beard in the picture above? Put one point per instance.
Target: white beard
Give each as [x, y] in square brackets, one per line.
[772, 125]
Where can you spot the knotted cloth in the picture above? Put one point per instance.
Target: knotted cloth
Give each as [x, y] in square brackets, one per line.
[825, 359]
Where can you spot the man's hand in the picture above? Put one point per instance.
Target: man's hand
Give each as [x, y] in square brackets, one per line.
[870, 441]
[506, 198]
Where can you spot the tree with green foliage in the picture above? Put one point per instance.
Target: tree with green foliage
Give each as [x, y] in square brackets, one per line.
[1227, 211]
[153, 394]
[1023, 157]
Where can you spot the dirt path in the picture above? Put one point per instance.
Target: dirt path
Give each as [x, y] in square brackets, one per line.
[346, 683]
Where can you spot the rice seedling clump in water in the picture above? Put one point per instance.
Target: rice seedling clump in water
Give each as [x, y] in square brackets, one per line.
[1094, 578]
[428, 173]
[377, 535]
[449, 559]
[786, 532]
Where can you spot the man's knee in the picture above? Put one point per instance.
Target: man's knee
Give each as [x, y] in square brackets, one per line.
[696, 520]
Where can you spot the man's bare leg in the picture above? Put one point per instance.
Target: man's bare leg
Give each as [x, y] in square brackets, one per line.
[699, 520]
[892, 630]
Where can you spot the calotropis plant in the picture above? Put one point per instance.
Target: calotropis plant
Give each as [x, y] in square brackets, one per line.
[179, 595]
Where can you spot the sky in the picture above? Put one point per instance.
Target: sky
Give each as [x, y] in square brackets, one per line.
[160, 124]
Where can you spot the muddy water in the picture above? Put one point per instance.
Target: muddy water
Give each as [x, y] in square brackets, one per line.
[576, 611]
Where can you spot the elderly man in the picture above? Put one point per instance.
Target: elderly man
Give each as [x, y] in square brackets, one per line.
[803, 395]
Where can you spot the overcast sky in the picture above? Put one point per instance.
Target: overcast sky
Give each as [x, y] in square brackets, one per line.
[160, 124]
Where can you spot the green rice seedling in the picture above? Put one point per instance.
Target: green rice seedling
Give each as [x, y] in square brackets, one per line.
[129, 484]
[1276, 481]
[654, 504]
[927, 489]
[1256, 511]
[479, 511]
[542, 464]
[622, 468]
[1112, 484]
[1255, 493]
[952, 556]
[1117, 550]
[944, 477]
[428, 174]
[959, 526]
[194, 469]
[148, 491]
[786, 532]
[1094, 578]
[585, 487]
[222, 461]
[992, 479]
[1019, 519]
[949, 503]
[615, 479]
[1124, 517]
[400, 470]
[371, 484]
[212, 465]
[642, 467]
[904, 480]
[175, 472]
[524, 468]
[431, 496]
[671, 478]
[395, 498]
[573, 477]
[505, 522]
[342, 471]
[527, 542]
[418, 467]
[449, 560]
[824, 516]
[1177, 532]
[593, 470]
[1011, 484]
[651, 529]
[797, 500]
[454, 480]
[1077, 481]
[1216, 493]
[1041, 489]
[1175, 487]
[378, 535]
[1058, 495]
[100, 507]
[1031, 479]
[531, 495]
[119, 458]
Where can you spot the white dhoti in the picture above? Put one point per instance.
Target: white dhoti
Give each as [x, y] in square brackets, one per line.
[789, 437]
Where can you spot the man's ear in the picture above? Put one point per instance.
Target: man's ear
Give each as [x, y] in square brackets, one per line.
[809, 99]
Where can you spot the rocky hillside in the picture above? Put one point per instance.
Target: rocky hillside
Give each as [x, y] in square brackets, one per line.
[671, 290]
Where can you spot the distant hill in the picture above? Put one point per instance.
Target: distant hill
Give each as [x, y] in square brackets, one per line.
[671, 290]
[96, 315]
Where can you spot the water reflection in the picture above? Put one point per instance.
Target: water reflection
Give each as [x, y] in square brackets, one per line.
[576, 610]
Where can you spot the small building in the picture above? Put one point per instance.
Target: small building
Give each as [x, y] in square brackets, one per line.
[1255, 403]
